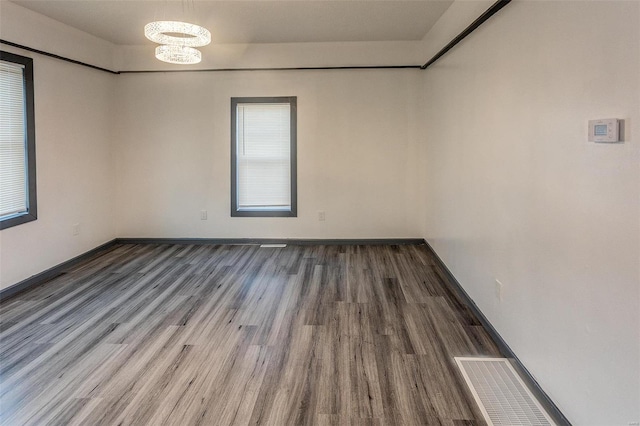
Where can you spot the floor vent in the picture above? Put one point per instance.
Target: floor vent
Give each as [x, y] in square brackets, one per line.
[272, 245]
[501, 394]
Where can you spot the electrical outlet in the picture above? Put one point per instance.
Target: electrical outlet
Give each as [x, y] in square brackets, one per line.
[499, 290]
[76, 229]
[203, 215]
[321, 216]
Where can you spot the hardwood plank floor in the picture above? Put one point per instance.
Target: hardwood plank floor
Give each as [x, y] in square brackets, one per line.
[238, 334]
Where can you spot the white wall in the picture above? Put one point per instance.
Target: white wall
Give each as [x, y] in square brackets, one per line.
[73, 156]
[504, 184]
[23, 26]
[356, 159]
[453, 21]
[513, 191]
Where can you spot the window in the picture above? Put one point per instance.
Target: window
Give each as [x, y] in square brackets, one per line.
[17, 141]
[263, 156]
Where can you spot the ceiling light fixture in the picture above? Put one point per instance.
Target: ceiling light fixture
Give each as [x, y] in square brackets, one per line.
[192, 35]
[178, 40]
[178, 54]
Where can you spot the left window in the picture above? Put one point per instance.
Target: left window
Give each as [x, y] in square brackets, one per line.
[17, 141]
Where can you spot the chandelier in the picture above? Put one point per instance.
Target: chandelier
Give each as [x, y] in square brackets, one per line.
[177, 40]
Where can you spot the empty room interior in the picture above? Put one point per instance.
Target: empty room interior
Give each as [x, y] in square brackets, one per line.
[320, 212]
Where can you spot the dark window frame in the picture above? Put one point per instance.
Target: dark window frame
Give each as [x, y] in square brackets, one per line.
[32, 206]
[293, 212]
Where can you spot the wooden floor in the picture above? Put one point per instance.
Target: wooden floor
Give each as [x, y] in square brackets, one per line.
[220, 335]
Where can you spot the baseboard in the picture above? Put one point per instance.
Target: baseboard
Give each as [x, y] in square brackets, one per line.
[292, 241]
[506, 351]
[53, 272]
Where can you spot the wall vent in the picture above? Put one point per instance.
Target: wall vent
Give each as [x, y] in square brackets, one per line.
[501, 394]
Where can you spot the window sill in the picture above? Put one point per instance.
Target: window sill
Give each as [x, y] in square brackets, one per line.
[263, 212]
[17, 219]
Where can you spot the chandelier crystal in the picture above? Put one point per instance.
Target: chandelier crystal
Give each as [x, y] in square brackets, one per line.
[178, 54]
[164, 32]
[178, 40]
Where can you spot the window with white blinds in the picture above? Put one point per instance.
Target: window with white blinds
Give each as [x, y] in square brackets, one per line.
[15, 198]
[264, 167]
[13, 179]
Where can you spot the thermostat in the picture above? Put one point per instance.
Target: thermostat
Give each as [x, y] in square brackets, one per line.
[605, 130]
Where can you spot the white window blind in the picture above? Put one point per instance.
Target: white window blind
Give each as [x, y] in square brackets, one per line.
[263, 156]
[13, 180]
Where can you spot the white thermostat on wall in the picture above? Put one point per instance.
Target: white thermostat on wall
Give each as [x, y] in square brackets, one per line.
[605, 130]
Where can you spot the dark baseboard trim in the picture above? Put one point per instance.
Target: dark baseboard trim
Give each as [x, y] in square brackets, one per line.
[506, 351]
[291, 241]
[53, 272]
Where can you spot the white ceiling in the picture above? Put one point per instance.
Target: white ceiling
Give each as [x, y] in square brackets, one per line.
[239, 21]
